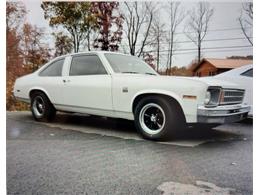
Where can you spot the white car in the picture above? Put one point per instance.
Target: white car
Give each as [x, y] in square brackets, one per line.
[243, 77]
[123, 86]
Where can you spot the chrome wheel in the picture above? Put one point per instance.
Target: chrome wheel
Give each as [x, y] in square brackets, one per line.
[38, 107]
[152, 118]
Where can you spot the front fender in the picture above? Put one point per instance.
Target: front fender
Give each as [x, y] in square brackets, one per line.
[189, 107]
[159, 92]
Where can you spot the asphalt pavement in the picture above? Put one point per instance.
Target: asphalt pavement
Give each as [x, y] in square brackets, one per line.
[79, 154]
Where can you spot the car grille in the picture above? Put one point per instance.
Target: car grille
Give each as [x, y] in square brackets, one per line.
[232, 96]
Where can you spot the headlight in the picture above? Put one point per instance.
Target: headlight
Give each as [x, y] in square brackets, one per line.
[212, 96]
[207, 98]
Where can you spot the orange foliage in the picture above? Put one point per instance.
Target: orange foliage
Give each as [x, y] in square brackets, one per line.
[24, 52]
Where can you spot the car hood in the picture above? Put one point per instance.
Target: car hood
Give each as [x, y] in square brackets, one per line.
[210, 81]
[193, 82]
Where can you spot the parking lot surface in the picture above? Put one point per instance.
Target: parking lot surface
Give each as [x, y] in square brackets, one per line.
[78, 154]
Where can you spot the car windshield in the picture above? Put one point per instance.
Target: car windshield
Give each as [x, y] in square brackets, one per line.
[128, 64]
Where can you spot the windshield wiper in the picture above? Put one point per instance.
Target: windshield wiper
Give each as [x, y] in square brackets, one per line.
[150, 73]
[131, 72]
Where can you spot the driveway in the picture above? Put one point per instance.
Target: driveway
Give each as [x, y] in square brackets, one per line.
[79, 154]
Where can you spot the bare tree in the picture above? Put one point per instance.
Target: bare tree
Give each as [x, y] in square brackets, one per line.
[246, 20]
[138, 17]
[176, 17]
[158, 34]
[198, 23]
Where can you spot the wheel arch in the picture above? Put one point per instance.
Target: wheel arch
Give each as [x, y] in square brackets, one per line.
[34, 90]
[170, 95]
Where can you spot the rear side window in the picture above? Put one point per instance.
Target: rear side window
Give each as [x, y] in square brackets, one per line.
[86, 65]
[248, 73]
[53, 70]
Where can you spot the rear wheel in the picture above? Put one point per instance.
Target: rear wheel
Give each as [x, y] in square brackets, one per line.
[41, 107]
[158, 118]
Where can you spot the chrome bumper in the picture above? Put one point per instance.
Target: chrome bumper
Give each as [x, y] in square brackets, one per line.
[222, 114]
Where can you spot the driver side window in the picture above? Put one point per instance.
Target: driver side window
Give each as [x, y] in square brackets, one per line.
[86, 65]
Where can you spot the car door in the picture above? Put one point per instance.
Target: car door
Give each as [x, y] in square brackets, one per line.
[50, 79]
[88, 85]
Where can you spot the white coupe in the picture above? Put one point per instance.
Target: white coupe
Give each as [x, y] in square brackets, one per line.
[123, 86]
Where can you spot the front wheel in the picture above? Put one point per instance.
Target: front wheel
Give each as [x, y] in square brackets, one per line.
[41, 107]
[158, 118]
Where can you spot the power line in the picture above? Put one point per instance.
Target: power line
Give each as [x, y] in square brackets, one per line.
[215, 51]
[192, 49]
[206, 40]
[214, 30]
[212, 40]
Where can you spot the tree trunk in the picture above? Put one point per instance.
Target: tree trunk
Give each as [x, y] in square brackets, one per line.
[88, 41]
[199, 54]
[158, 52]
[171, 47]
[199, 48]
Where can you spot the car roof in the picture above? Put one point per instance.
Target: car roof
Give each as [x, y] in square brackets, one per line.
[78, 53]
[92, 52]
[236, 71]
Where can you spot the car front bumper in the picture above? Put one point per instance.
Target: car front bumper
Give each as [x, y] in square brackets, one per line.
[222, 114]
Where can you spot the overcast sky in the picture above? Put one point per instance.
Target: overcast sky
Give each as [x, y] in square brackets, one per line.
[224, 25]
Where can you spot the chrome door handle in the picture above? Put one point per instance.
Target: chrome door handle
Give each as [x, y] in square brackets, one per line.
[64, 81]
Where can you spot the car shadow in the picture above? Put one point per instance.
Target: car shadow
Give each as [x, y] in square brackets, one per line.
[105, 123]
[206, 133]
[127, 127]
